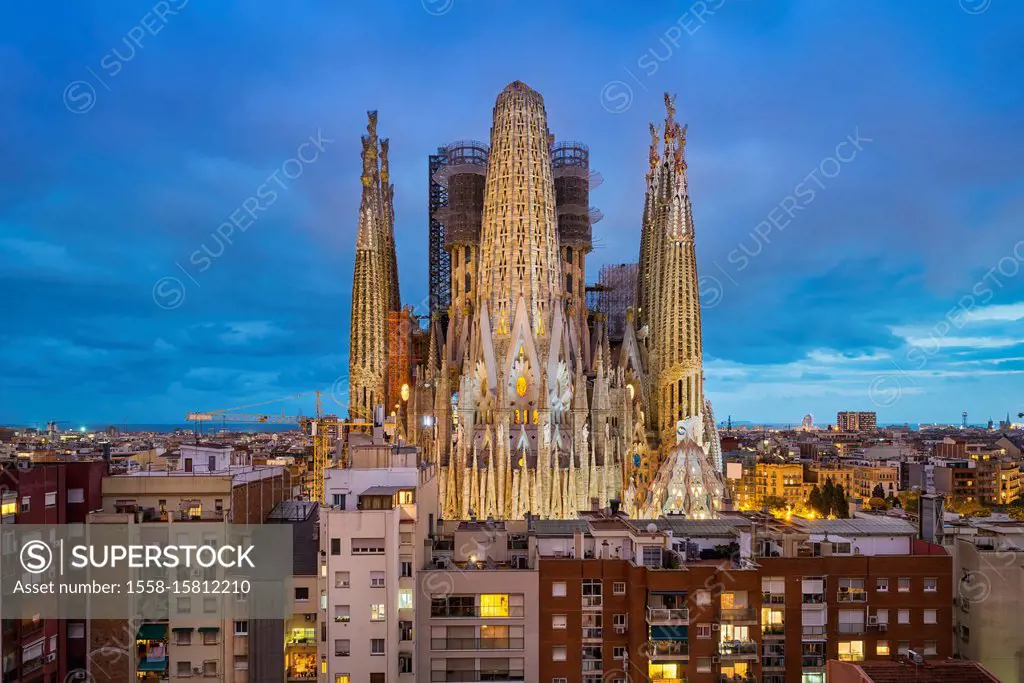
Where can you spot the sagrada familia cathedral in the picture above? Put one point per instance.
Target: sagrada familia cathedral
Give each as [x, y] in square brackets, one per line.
[522, 401]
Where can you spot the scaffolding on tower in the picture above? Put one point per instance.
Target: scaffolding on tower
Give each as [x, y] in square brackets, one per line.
[440, 259]
[616, 292]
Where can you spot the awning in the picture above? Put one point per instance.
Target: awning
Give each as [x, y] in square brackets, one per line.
[668, 633]
[209, 629]
[153, 664]
[152, 632]
[183, 629]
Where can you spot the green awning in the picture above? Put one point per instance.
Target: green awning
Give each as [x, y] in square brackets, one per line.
[183, 629]
[153, 664]
[209, 629]
[152, 632]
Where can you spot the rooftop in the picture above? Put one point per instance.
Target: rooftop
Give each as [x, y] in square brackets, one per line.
[292, 511]
[949, 671]
[385, 490]
[858, 526]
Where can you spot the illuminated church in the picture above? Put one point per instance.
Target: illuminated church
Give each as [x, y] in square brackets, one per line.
[524, 402]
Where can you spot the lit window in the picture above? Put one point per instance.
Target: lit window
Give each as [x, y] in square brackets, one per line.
[669, 671]
[405, 598]
[851, 650]
[882, 648]
[377, 612]
[494, 605]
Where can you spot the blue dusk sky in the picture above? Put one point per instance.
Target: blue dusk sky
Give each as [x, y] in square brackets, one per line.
[855, 169]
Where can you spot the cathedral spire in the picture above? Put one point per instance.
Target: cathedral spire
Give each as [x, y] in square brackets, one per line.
[519, 236]
[387, 191]
[368, 328]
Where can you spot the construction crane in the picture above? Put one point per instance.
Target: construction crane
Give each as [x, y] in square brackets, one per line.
[318, 427]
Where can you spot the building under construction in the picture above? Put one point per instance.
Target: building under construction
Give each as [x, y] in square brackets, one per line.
[615, 294]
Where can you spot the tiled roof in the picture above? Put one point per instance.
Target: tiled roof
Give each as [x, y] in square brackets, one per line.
[950, 671]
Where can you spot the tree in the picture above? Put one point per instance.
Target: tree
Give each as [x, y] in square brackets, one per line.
[878, 492]
[828, 497]
[877, 503]
[815, 500]
[910, 500]
[1016, 513]
[841, 505]
[774, 503]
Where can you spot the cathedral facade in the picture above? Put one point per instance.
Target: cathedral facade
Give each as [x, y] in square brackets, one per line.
[523, 402]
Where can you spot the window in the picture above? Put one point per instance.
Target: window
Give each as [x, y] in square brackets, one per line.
[652, 556]
[405, 569]
[851, 590]
[342, 678]
[931, 585]
[904, 586]
[903, 616]
[558, 653]
[558, 622]
[184, 668]
[882, 585]
[618, 653]
[931, 647]
[703, 630]
[903, 647]
[558, 589]
[241, 662]
[367, 546]
[377, 678]
[619, 588]
[559, 680]
[183, 637]
[335, 546]
[184, 605]
[376, 646]
[883, 616]
[703, 664]
[882, 648]
[591, 592]
[323, 599]
[302, 593]
[210, 668]
[341, 579]
[26, 503]
[210, 637]
[930, 616]
[342, 648]
[76, 495]
[702, 598]
[377, 612]
[241, 628]
[342, 614]
[210, 605]
[851, 650]
[493, 605]
[405, 663]
[376, 579]
[76, 630]
[405, 598]
[620, 620]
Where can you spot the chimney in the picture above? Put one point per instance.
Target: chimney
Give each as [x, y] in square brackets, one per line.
[614, 504]
[577, 543]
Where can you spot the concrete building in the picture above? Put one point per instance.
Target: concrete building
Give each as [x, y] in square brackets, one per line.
[743, 598]
[366, 589]
[989, 597]
[482, 619]
[907, 669]
[866, 478]
[854, 421]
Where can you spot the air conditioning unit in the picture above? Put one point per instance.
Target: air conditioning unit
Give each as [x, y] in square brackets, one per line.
[50, 657]
[310, 617]
[873, 621]
[882, 626]
[715, 659]
[196, 573]
[715, 627]
[197, 669]
[620, 629]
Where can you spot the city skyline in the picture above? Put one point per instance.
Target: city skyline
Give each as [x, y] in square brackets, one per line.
[893, 287]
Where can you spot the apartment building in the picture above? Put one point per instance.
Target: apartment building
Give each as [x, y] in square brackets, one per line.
[745, 598]
[867, 477]
[288, 650]
[201, 636]
[481, 623]
[44, 650]
[367, 590]
[989, 596]
[781, 480]
[854, 421]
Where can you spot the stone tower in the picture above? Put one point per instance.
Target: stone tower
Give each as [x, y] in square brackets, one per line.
[387, 191]
[370, 286]
[519, 235]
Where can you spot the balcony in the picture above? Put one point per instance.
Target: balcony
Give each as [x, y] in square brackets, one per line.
[667, 616]
[852, 596]
[775, 662]
[592, 632]
[813, 599]
[739, 615]
[472, 612]
[738, 649]
[295, 674]
[471, 676]
[773, 630]
[667, 649]
[851, 628]
[291, 641]
[591, 602]
[725, 678]
[31, 665]
[477, 643]
[812, 662]
[773, 598]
